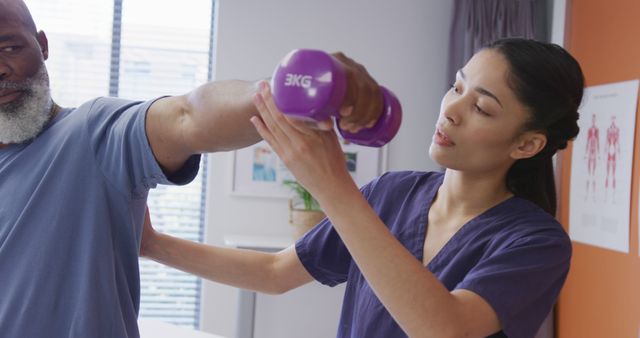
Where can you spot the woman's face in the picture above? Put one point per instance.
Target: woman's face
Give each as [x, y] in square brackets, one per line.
[480, 118]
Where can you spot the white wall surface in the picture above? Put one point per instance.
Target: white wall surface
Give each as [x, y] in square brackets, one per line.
[558, 21]
[403, 44]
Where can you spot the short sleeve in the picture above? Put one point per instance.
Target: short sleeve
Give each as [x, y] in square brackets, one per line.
[117, 136]
[323, 253]
[522, 281]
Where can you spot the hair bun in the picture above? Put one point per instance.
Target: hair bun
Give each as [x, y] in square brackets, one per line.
[564, 129]
[562, 145]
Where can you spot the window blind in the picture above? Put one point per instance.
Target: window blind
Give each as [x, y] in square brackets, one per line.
[138, 49]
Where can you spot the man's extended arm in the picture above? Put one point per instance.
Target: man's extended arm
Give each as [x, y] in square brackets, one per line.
[213, 117]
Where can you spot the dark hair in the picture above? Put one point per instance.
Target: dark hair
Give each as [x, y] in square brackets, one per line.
[549, 82]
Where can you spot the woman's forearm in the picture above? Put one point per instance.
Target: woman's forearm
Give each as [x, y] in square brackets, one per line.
[245, 269]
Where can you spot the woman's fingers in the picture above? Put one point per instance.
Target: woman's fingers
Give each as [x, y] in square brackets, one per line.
[291, 127]
[265, 133]
[276, 134]
[289, 138]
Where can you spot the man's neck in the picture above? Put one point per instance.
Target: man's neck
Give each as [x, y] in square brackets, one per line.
[55, 109]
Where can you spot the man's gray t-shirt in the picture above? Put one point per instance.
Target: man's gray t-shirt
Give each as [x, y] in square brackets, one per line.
[71, 214]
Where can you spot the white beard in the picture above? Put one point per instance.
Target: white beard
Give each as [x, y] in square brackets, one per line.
[24, 119]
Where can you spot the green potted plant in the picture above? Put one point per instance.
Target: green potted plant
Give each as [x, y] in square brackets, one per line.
[304, 210]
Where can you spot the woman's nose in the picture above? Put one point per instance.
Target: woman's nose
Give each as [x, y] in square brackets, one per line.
[452, 110]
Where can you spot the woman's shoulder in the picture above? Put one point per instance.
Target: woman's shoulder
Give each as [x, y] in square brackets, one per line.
[522, 208]
[522, 219]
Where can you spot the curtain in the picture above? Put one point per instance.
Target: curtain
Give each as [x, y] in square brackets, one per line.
[477, 22]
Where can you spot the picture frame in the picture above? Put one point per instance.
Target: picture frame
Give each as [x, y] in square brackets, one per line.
[257, 171]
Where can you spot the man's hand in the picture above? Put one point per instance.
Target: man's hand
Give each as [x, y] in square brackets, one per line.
[363, 102]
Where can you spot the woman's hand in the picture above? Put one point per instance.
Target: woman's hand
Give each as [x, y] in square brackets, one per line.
[314, 156]
[148, 236]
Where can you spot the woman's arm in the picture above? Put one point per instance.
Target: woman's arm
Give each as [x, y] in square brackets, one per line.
[416, 299]
[418, 302]
[272, 273]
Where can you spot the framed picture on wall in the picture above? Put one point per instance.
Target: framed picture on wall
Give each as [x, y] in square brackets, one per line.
[257, 170]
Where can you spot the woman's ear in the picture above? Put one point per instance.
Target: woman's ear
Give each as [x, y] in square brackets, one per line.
[528, 145]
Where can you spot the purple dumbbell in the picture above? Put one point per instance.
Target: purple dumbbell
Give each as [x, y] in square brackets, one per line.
[311, 84]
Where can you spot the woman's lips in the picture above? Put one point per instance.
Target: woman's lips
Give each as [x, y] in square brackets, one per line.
[442, 139]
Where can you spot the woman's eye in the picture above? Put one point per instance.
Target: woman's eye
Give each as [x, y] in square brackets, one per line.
[481, 111]
[455, 89]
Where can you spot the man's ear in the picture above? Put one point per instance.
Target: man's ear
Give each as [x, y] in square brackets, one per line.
[44, 44]
[528, 145]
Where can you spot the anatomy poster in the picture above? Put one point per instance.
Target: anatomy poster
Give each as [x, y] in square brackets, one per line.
[601, 166]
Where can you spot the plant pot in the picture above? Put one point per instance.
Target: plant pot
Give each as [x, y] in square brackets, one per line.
[303, 220]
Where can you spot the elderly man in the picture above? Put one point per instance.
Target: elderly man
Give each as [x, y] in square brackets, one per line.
[74, 183]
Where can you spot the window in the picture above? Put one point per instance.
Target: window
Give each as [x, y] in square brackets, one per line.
[144, 50]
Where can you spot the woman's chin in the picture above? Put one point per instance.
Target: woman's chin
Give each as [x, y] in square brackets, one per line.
[435, 154]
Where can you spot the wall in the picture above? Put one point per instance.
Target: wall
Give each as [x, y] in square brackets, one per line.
[602, 293]
[403, 44]
[558, 19]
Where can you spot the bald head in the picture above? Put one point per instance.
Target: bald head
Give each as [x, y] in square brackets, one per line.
[16, 11]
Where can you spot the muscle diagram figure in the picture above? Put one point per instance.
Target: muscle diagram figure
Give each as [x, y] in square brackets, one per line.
[613, 153]
[592, 153]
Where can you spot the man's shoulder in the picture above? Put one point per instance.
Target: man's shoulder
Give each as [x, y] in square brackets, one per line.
[105, 103]
[98, 104]
[105, 111]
